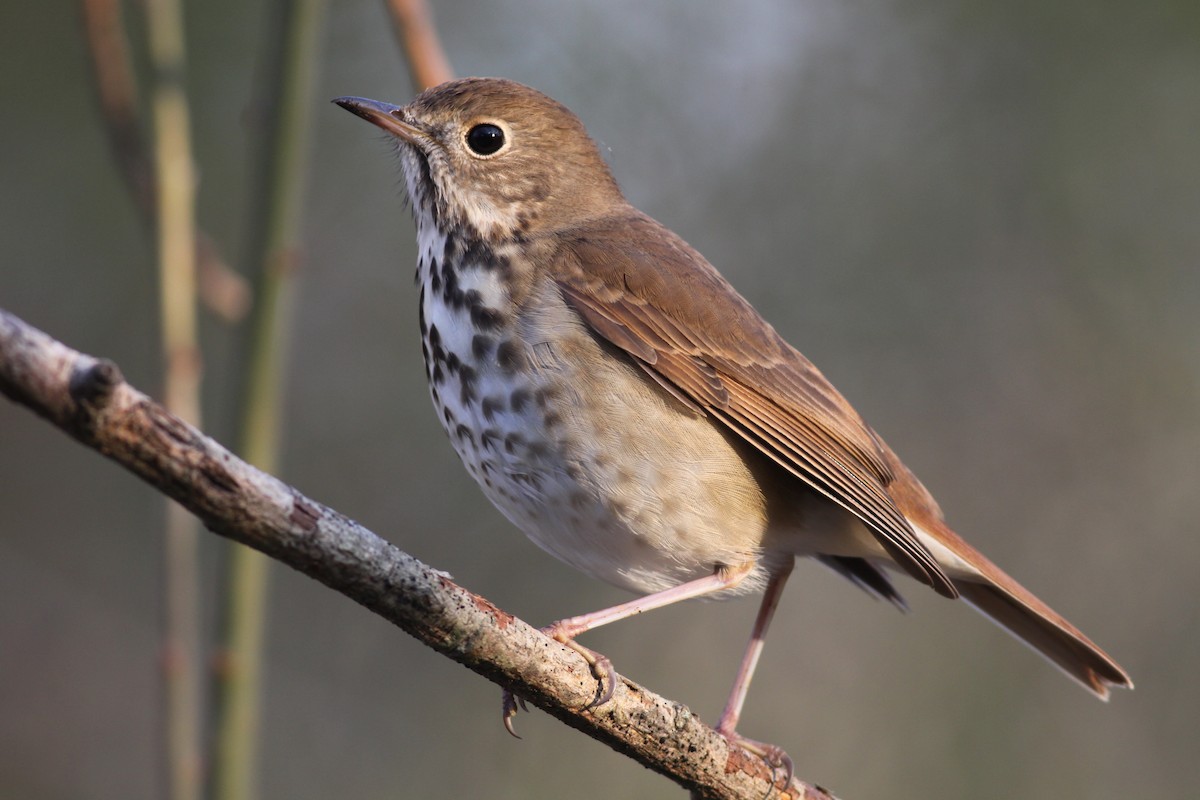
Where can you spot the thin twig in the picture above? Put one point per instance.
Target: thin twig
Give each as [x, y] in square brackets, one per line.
[91, 401]
[112, 71]
[290, 71]
[222, 290]
[413, 23]
[175, 226]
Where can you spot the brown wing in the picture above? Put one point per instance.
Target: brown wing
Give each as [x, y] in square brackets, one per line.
[645, 290]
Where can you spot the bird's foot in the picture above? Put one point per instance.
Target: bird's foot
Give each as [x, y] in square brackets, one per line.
[564, 632]
[773, 755]
[601, 665]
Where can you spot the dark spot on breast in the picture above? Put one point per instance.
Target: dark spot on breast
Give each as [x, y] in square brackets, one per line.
[512, 441]
[438, 376]
[467, 378]
[485, 317]
[481, 346]
[451, 249]
[482, 315]
[477, 253]
[472, 298]
[520, 399]
[551, 419]
[509, 355]
[435, 337]
[527, 478]
[488, 440]
[449, 417]
[421, 315]
[452, 363]
[463, 432]
[451, 294]
[491, 406]
[539, 449]
[482, 255]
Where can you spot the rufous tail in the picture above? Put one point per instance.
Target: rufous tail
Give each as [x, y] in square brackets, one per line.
[986, 587]
[1020, 613]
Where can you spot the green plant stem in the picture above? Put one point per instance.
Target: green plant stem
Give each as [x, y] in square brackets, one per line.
[276, 208]
[175, 226]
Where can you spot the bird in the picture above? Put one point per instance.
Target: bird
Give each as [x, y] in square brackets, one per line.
[622, 404]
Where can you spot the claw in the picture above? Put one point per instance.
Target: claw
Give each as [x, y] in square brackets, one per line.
[602, 669]
[509, 704]
[601, 665]
[606, 676]
[776, 758]
[772, 755]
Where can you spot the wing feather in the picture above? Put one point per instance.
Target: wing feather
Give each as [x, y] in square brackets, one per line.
[643, 289]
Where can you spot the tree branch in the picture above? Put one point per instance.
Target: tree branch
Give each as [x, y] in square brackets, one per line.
[90, 400]
[412, 22]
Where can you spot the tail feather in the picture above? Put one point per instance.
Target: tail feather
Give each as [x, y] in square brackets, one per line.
[986, 587]
[1052, 637]
[1010, 605]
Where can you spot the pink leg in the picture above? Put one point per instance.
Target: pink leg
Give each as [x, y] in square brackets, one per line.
[722, 578]
[565, 630]
[737, 697]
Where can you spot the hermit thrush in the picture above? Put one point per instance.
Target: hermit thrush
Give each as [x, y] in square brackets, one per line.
[624, 406]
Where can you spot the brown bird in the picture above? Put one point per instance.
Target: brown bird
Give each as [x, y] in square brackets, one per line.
[621, 403]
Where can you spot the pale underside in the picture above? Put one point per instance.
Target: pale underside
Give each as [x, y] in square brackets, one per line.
[604, 468]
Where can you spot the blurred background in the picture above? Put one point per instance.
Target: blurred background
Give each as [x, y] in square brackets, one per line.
[980, 218]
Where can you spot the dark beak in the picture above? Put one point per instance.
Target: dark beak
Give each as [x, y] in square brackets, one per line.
[385, 115]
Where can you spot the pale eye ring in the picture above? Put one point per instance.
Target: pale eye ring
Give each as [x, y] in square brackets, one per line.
[485, 139]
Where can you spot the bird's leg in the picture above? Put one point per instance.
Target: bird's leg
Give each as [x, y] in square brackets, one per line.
[773, 755]
[565, 630]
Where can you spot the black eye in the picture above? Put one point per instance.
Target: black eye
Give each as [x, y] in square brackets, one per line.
[485, 139]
